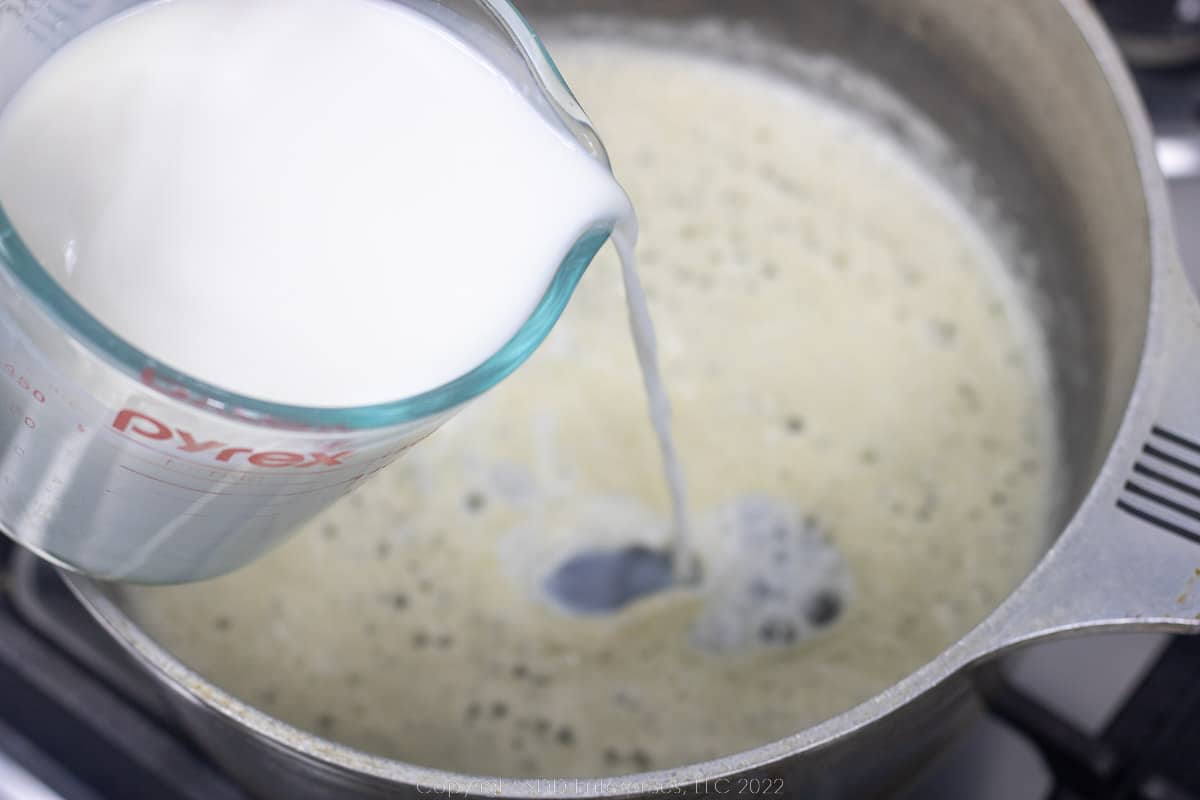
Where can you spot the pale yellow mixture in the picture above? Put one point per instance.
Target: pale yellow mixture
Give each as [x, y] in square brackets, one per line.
[836, 336]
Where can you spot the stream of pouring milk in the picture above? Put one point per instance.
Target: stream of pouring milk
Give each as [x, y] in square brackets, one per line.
[646, 344]
[247, 192]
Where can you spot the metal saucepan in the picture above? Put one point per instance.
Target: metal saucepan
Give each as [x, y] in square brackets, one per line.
[1035, 95]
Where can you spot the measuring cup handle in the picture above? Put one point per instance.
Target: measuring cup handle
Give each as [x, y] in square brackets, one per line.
[1130, 557]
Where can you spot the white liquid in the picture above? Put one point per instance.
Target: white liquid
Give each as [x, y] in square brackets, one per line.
[646, 345]
[838, 335]
[308, 201]
[313, 202]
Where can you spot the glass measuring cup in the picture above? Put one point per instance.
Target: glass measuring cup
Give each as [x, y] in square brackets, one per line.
[117, 465]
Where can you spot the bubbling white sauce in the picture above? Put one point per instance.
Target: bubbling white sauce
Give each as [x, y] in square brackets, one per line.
[839, 339]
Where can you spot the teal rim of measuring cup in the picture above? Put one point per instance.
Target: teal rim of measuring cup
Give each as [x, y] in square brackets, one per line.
[21, 263]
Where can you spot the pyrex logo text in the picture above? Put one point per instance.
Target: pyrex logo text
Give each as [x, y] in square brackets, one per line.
[135, 422]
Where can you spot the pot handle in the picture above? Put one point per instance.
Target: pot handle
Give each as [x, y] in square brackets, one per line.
[1131, 555]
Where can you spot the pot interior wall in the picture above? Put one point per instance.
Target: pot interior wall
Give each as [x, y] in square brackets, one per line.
[1015, 89]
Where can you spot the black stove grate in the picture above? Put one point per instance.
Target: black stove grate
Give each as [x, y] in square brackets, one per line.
[1150, 750]
[74, 732]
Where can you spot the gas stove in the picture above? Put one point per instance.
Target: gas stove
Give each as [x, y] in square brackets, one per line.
[1094, 718]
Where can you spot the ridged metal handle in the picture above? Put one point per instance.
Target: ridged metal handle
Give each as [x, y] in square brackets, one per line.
[1130, 558]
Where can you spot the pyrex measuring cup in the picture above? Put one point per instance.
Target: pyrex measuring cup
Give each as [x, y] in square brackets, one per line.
[121, 467]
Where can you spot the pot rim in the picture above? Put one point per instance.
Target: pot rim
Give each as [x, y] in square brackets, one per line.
[193, 688]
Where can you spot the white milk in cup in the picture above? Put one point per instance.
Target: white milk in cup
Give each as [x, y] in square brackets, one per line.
[253, 250]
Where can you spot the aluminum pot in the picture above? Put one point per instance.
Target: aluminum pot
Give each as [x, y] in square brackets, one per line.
[1034, 94]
